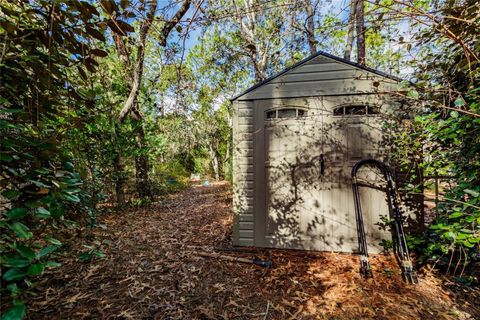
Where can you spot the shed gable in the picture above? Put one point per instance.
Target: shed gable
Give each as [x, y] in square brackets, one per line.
[322, 75]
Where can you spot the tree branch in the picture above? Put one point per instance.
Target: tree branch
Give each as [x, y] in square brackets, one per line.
[138, 73]
[168, 27]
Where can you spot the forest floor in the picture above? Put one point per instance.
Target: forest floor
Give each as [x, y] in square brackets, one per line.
[152, 270]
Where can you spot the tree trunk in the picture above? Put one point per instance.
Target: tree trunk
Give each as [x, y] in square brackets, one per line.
[351, 29]
[119, 180]
[120, 177]
[141, 164]
[226, 162]
[312, 43]
[360, 21]
[214, 158]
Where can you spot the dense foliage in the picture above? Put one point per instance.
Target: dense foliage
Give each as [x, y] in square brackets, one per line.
[444, 137]
[42, 190]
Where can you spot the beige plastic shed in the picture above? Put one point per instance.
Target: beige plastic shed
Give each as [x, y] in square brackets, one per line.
[296, 137]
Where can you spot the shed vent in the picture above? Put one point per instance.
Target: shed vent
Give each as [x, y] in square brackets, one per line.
[355, 110]
[285, 113]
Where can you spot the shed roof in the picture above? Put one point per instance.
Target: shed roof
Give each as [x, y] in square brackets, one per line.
[309, 58]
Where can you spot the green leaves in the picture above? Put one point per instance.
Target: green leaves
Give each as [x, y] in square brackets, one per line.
[69, 166]
[38, 179]
[17, 213]
[5, 157]
[24, 251]
[11, 193]
[473, 193]
[70, 197]
[16, 261]
[14, 289]
[46, 251]
[53, 241]
[14, 274]
[91, 253]
[413, 94]
[459, 102]
[456, 215]
[57, 210]
[41, 212]
[36, 269]
[21, 230]
[17, 312]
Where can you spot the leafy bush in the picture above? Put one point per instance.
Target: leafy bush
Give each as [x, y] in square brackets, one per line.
[170, 177]
[444, 137]
[456, 229]
[40, 187]
[39, 197]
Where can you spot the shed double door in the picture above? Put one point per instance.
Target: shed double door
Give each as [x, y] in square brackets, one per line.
[303, 186]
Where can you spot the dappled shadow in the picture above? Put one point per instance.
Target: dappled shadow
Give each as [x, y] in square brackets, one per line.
[308, 160]
[328, 285]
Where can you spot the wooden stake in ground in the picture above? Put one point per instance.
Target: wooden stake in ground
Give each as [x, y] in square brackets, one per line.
[256, 261]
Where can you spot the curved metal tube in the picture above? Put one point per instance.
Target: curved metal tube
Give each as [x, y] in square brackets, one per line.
[401, 248]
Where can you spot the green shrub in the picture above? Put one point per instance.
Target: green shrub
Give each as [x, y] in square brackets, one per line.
[169, 177]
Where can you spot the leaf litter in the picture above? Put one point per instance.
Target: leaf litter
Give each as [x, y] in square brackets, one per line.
[152, 270]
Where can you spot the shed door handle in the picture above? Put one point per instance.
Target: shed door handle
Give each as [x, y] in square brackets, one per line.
[322, 164]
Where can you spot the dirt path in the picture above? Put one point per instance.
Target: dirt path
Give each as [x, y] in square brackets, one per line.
[151, 271]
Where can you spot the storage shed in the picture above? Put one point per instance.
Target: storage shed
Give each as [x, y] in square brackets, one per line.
[296, 137]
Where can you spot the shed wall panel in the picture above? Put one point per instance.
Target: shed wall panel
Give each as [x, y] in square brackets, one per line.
[246, 242]
[244, 120]
[243, 174]
[246, 217]
[243, 160]
[246, 233]
[246, 225]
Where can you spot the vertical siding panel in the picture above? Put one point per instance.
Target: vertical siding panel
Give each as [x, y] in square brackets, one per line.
[236, 218]
[242, 173]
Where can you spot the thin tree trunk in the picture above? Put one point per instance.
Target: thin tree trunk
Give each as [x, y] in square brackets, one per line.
[119, 170]
[119, 180]
[351, 29]
[227, 153]
[141, 163]
[214, 158]
[226, 161]
[312, 43]
[360, 21]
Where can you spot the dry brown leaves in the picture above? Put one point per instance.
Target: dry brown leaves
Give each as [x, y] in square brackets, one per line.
[151, 271]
